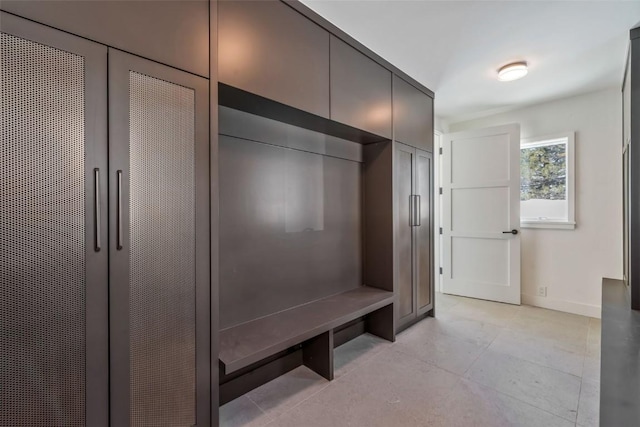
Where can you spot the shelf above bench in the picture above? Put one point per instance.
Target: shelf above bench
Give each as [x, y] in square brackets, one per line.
[238, 99]
[250, 342]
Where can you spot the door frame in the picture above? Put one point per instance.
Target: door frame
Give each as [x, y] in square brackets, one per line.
[437, 212]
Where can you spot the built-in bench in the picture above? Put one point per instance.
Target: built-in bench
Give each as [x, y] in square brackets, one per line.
[310, 325]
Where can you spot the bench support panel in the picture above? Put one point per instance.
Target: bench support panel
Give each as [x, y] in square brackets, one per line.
[317, 354]
[237, 384]
[381, 323]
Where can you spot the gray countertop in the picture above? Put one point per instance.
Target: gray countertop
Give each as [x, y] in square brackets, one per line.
[620, 360]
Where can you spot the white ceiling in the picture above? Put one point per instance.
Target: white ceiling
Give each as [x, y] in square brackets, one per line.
[455, 47]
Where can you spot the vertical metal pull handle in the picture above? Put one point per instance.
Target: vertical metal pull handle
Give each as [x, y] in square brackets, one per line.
[411, 219]
[96, 206]
[119, 219]
[417, 208]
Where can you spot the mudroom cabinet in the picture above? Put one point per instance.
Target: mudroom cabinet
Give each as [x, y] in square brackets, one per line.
[413, 233]
[104, 315]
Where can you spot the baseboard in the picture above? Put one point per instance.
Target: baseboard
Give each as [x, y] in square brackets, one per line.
[561, 305]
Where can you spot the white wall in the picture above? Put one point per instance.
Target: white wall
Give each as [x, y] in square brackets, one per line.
[572, 263]
[440, 125]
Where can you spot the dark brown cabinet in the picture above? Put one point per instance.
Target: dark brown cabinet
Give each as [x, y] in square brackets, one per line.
[122, 324]
[105, 175]
[53, 257]
[158, 244]
[268, 49]
[412, 115]
[631, 169]
[413, 233]
[360, 90]
[172, 32]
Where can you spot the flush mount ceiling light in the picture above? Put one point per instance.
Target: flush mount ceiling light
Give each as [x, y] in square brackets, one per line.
[513, 71]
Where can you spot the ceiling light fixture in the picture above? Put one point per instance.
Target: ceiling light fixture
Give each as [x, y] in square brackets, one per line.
[513, 71]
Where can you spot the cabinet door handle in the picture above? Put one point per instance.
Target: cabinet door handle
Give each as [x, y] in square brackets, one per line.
[119, 219]
[416, 206]
[96, 206]
[411, 211]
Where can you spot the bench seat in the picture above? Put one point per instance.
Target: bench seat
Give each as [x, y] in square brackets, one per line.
[248, 343]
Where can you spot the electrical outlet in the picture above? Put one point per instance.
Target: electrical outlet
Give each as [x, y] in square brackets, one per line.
[542, 291]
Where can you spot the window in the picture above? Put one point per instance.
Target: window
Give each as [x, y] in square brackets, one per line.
[547, 182]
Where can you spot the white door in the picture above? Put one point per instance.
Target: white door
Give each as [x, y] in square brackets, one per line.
[481, 213]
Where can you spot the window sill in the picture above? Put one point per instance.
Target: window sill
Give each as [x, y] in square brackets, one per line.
[551, 225]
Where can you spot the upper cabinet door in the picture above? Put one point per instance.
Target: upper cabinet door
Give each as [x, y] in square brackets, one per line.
[269, 49]
[360, 90]
[626, 103]
[173, 32]
[412, 115]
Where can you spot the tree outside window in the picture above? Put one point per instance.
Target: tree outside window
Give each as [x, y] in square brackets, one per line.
[546, 195]
[544, 172]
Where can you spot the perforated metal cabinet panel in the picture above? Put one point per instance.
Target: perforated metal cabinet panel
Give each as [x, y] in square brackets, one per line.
[162, 253]
[423, 242]
[42, 235]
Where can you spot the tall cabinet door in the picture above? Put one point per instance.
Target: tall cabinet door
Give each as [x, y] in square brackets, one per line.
[423, 231]
[404, 167]
[159, 235]
[53, 248]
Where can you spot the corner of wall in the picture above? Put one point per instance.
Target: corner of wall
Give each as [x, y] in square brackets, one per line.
[440, 125]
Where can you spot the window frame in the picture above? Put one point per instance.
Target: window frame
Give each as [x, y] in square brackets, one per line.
[570, 223]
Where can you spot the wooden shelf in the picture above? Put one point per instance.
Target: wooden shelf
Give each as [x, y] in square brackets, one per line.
[248, 343]
[238, 99]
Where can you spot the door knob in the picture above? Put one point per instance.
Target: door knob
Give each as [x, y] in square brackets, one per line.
[510, 232]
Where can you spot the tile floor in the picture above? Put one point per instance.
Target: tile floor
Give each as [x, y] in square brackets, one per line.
[478, 363]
